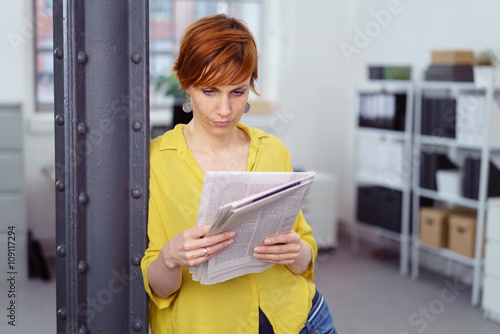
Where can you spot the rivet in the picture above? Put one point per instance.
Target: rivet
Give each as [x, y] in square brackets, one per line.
[83, 198]
[137, 126]
[82, 57]
[58, 52]
[60, 186]
[137, 58]
[83, 330]
[60, 119]
[136, 193]
[61, 313]
[136, 260]
[82, 267]
[82, 128]
[137, 325]
[61, 250]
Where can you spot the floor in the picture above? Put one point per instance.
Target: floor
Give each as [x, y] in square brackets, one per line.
[365, 294]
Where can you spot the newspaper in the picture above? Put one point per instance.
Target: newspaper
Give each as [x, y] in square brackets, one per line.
[255, 205]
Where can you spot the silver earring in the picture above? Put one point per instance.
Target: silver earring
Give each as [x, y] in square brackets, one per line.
[187, 107]
[247, 108]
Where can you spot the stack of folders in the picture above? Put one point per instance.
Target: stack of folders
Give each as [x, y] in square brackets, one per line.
[439, 116]
[470, 181]
[430, 163]
[382, 110]
[381, 162]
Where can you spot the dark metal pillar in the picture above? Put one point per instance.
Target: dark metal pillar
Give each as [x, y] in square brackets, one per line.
[101, 73]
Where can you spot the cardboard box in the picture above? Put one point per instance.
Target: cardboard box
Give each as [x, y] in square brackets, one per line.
[462, 233]
[452, 57]
[434, 227]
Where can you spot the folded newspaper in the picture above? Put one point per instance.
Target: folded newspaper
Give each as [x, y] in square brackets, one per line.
[255, 205]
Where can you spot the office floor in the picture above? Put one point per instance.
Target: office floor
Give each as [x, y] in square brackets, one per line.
[366, 296]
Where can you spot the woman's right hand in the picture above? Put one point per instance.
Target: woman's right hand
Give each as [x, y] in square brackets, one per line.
[186, 249]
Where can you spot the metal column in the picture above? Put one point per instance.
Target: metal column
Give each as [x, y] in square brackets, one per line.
[101, 73]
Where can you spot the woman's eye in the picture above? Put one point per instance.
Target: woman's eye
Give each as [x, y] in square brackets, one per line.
[208, 91]
[238, 92]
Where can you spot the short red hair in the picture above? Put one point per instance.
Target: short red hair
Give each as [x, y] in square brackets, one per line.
[216, 50]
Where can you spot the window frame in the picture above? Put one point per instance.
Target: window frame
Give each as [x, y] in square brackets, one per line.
[233, 7]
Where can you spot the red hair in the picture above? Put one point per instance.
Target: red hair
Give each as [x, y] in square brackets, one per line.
[216, 51]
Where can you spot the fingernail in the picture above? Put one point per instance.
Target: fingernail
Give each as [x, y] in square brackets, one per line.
[257, 249]
[231, 234]
[267, 241]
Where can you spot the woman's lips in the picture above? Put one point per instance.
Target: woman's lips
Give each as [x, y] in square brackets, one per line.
[222, 124]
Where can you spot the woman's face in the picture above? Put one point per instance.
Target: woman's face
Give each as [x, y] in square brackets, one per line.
[218, 109]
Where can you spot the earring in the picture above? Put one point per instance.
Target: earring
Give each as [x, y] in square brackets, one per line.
[187, 107]
[247, 108]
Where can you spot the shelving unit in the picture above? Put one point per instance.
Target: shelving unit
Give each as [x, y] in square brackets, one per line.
[458, 148]
[387, 162]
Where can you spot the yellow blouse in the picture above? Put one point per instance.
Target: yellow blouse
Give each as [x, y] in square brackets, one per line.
[232, 306]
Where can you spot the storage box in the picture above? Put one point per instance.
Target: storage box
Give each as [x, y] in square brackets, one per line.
[462, 233]
[448, 182]
[452, 57]
[434, 227]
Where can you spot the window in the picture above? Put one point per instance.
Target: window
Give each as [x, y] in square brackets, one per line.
[168, 19]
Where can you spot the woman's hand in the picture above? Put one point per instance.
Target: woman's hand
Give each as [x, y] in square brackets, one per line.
[286, 249]
[187, 249]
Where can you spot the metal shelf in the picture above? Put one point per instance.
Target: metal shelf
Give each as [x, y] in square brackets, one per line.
[461, 201]
[449, 142]
[382, 134]
[403, 182]
[420, 141]
[452, 85]
[385, 233]
[446, 253]
[380, 183]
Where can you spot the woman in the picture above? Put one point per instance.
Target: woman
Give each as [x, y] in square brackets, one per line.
[217, 67]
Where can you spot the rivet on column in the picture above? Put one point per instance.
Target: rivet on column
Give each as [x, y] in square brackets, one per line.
[136, 193]
[137, 126]
[61, 250]
[137, 325]
[136, 260]
[58, 52]
[83, 198]
[60, 119]
[136, 58]
[82, 267]
[61, 313]
[82, 57]
[82, 128]
[60, 185]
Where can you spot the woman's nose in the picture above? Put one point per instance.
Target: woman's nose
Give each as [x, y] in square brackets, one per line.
[224, 106]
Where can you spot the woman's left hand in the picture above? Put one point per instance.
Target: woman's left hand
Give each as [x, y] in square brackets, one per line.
[287, 249]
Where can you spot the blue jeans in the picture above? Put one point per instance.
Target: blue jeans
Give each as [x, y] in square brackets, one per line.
[319, 320]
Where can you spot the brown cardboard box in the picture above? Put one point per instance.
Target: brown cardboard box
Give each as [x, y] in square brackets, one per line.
[434, 226]
[452, 57]
[462, 233]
